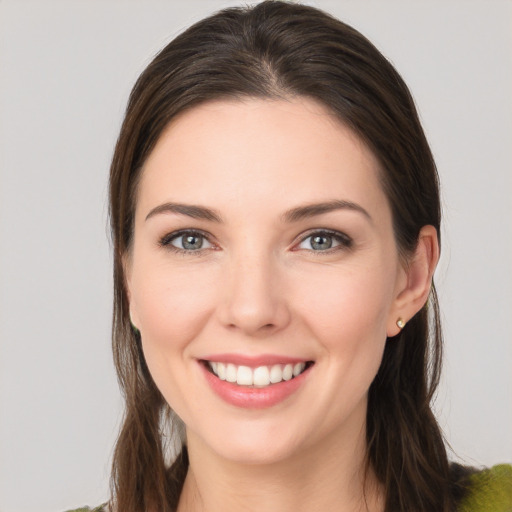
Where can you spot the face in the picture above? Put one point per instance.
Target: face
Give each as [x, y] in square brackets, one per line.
[263, 276]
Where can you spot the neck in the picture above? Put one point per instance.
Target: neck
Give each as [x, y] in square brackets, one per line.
[313, 480]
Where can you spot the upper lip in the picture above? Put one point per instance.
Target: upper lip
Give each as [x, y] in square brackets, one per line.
[254, 361]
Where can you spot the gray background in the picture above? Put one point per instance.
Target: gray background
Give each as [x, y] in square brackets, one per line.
[66, 69]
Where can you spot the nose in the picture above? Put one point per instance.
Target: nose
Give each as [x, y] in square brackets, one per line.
[254, 299]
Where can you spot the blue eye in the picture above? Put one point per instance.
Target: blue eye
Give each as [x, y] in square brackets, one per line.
[324, 241]
[189, 241]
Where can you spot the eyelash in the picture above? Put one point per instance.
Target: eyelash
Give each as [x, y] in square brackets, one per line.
[344, 241]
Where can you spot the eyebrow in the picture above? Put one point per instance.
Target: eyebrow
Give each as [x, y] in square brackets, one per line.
[311, 210]
[196, 212]
[293, 215]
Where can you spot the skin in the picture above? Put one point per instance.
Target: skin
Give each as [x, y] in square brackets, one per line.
[257, 286]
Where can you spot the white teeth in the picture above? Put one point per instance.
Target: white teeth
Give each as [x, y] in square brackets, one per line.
[288, 372]
[231, 373]
[261, 376]
[221, 371]
[244, 376]
[276, 374]
[298, 369]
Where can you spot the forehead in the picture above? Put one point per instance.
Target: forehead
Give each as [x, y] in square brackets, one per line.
[259, 150]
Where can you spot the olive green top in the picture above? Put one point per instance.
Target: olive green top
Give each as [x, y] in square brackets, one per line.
[490, 491]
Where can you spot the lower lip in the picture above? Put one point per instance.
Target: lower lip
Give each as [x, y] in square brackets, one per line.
[254, 398]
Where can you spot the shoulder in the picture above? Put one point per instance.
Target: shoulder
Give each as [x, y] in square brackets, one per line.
[490, 490]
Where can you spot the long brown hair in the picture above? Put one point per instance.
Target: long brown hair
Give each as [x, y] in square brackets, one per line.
[280, 50]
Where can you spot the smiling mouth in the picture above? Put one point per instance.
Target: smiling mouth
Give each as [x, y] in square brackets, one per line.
[259, 377]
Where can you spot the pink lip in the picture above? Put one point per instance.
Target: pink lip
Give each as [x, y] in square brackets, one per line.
[253, 398]
[253, 361]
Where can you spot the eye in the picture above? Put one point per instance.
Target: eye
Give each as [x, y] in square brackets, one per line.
[187, 241]
[321, 241]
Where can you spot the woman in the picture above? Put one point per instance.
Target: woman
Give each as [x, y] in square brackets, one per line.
[275, 215]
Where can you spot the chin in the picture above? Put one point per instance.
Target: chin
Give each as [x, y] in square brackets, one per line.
[256, 456]
[255, 445]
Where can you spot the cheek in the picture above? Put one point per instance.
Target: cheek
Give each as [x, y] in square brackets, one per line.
[347, 315]
[172, 306]
[348, 305]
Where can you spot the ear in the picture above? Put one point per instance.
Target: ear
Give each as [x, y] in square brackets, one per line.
[127, 275]
[418, 272]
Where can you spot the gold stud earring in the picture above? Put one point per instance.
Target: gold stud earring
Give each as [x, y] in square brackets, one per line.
[401, 323]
